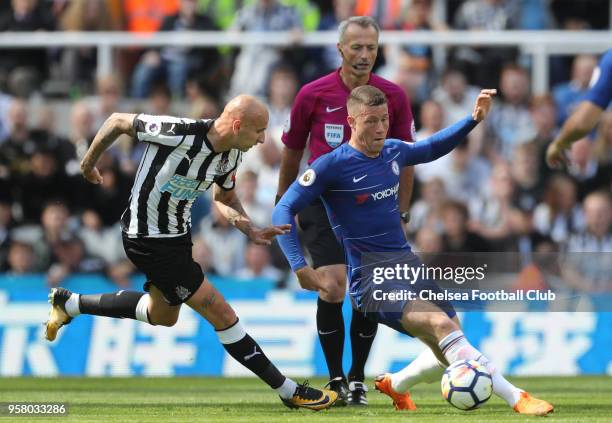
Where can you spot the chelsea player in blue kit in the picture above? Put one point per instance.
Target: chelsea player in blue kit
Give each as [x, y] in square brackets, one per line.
[587, 113]
[358, 184]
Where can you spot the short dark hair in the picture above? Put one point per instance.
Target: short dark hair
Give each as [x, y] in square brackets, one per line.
[366, 95]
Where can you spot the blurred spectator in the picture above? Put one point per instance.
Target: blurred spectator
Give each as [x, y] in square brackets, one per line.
[282, 88]
[432, 120]
[107, 199]
[591, 272]
[54, 227]
[559, 214]
[543, 111]
[202, 103]
[603, 140]
[456, 237]
[536, 14]
[569, 94]
[596, 235]
[483, 64]
[253, 63]
[45, 180]
[491, 212]
[176, 62]
[148, 15]
[410, 73]
[70, 258]
[425, 212]
[464, 173]
[455, 96]
[327, 57]
[457, 99]
[227, 243]
[461, 171]
[586, 170]
[20, 259]
[583, 14]
[78, 64]
[24, 68]
[509, 122]
[526, 174]
[107, 99]
[81, 135]
[17, 148]
[202, 255]
[160, 100]
[265, 162]
[523, 238]
[417, 15]
[101, 241]
[257, 264]
[247, 192]
[386, 12]
[428, 241]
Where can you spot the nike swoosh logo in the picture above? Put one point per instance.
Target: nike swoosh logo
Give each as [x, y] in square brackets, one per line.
[361, 335]
[322, 402]
[327, 333]
[171, 130]
[359, 179]
[329, 109]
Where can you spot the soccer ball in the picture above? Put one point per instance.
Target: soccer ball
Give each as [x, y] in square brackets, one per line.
[466, 384]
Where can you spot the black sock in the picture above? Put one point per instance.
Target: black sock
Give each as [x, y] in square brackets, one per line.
[120, 304]
[247, 352]
[363, 332]
[330, 325]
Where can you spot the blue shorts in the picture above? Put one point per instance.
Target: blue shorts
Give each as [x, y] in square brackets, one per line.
[389, 312]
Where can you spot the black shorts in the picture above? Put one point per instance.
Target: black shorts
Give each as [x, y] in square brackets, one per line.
[168, 264]
[319, 237]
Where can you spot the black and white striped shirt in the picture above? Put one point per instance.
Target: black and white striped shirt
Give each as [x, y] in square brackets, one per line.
[179, 164]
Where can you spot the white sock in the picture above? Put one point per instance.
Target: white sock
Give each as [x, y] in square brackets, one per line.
[287, 389]
[456, 347]
[72, 305]
[142, 309]
[425, 368]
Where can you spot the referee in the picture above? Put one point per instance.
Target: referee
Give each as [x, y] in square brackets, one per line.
[183, 158]
[319, 118]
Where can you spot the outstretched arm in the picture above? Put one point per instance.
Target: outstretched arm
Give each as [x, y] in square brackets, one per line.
[300, 194]
[231, 208]
[577, 126]
[117, 124]
[444, 141]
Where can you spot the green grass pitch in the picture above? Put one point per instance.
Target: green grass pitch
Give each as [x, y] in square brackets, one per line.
[576, 399]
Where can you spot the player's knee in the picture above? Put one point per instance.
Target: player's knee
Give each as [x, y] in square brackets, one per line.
[443, 325]
[167, 320]
[333, 293]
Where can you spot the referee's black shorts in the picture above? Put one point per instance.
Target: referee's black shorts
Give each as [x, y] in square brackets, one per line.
[168, 264]
[319, 236]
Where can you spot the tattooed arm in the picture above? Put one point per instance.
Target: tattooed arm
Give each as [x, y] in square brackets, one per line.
[230, 207]
[116, 125]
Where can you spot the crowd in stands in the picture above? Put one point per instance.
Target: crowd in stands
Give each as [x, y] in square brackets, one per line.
[492, 193]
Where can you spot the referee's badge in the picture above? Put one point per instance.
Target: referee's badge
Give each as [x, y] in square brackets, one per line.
[334, 134]
[395, 167]
[153, 128]
[308, 178]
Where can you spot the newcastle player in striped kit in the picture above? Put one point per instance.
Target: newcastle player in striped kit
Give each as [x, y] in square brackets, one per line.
[183, 158]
